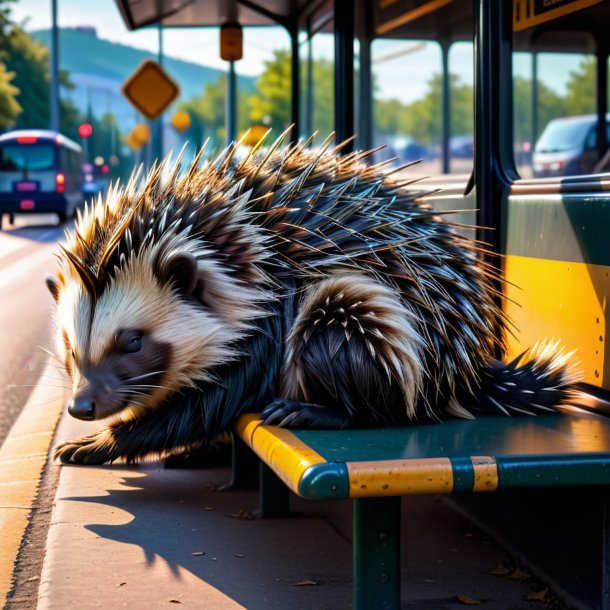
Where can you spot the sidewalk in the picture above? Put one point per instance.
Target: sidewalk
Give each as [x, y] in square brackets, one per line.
[146, 537]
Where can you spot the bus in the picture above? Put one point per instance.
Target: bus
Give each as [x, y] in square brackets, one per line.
[40, 173]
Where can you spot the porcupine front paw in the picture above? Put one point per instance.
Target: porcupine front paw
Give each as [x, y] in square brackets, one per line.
[93, 449]
[295, 414]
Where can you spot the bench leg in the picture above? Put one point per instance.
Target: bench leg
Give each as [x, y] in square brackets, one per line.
[274, 499]
[244, 466]
[605, 594]
[376, 550]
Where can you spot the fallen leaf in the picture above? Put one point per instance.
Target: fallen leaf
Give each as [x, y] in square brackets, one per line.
[121, 584]
[242, 514]
[500, 570]
[198, 553]
[537, 596]
[519, 574]
[306, 583]
[469, 601]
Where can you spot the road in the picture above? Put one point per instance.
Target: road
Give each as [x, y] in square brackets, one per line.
[26, 308]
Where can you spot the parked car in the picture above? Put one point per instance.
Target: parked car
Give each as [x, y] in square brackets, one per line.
[414, 151]
[462, 146]
[567, 146]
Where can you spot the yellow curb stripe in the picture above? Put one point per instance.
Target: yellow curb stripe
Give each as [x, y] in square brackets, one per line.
[400, 477]
[485, 473]
[281, 450]
[23, 456]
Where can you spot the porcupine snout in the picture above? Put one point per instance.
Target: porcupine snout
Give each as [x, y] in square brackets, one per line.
[82, 407]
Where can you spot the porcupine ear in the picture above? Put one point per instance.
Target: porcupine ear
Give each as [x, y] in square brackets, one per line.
[53, 286]
[181, 270]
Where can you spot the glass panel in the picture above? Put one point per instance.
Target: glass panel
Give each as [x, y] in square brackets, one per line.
[317, 84]
[31, 157]
[407, 117]
[523, 127]
[192, 57]
[264, 82]
[461, 108]
[564, 113]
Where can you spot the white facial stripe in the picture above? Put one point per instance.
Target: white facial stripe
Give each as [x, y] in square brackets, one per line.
[73, 315]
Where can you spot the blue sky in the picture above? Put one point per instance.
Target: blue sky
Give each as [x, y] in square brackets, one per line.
[402, 68]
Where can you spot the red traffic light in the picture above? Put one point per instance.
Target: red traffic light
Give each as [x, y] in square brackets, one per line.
[85, 130]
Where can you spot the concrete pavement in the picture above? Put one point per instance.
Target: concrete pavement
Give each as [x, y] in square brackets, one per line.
[147, 537]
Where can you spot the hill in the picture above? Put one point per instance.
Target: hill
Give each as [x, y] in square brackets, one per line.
[82, 53]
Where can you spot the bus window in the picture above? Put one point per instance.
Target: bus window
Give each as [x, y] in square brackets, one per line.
[27, 158]
[407, 115]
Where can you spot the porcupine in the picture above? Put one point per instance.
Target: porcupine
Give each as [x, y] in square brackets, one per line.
[297, 282]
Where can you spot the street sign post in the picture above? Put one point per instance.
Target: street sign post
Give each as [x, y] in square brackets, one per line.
[150, 89]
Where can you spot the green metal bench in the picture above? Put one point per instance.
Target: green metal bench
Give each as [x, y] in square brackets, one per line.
[376, 467]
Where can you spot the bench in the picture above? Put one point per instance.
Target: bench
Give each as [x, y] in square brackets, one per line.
[375, 467]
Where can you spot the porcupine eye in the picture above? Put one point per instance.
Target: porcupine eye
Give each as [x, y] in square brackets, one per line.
[129, 341]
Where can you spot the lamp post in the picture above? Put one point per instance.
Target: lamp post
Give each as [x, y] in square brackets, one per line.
[54, 68]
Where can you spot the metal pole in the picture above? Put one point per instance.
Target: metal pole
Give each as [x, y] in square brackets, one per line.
[344, 72]
[159, 121]
[309, 92]
[493, 164]
[446, 126]
[602, 96]
[534, 100]
[365, 94]
[231, 104]
[295, 89]
[54, 93]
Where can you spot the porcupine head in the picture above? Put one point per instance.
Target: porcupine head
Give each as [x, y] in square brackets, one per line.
[145, 306]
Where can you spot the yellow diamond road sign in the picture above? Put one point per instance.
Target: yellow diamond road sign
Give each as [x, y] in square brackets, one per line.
[150, 89]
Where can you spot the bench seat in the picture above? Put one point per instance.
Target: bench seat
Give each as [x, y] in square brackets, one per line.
[375, 467]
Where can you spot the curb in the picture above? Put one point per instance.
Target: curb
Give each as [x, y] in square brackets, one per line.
[23, 457]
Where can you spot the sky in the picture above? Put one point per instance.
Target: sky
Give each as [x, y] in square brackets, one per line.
[402, 68]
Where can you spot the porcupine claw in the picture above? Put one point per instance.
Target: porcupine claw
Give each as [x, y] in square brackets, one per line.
[295, 414]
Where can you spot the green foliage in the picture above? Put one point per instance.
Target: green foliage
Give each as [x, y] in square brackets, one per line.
[422, 119]
[270, 105]
[25, 79]
[208, 113]
[323, 96]
[9, 106]
[30, 62]
[550, 106]
[581, 96]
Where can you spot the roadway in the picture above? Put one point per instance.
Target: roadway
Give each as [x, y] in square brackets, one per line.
[26, 308]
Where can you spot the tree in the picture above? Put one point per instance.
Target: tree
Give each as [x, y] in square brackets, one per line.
[550, 105]
[9, 106]
[581, 95]
[208, 113]
[270, 105]
[323, 74]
